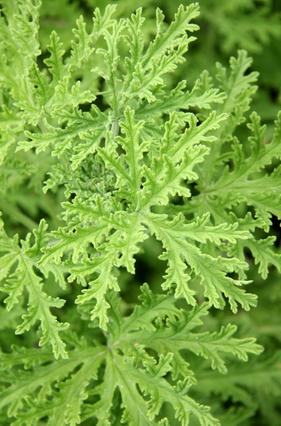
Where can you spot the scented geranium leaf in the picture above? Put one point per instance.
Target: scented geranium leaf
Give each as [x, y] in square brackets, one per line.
[63, 93]
[239, 88]
[169, 330]
[203, 96]
[72, 395]
[202, 231]
[55, 61]
[165, 40]
[152, 306]
[99, 288]
[196, 133]
[10, 124]
[208, 345]
[134, 151]
[83, 46]
[86, 129]
[265, 255]
[139, 384]
[249, 182]
[181, 328]
[128, 167]
[72, 240]
[135, 39]
[258, 385]
[163, 54]
[126, 241]
[165, 175]
[161, 391]
[262, 154]
[125, 231]
[37, 399]
[111, 58]
[18, 277]
[19, 48]
[169, 183]
[124, 246]
[106, 390]
[213, 271]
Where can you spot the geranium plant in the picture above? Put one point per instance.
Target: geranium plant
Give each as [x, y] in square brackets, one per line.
[106, 159]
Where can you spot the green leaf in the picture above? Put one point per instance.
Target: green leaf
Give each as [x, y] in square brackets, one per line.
[18, 276]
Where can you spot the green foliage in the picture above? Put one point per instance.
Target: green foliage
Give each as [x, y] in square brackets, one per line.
[106, 158]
